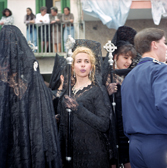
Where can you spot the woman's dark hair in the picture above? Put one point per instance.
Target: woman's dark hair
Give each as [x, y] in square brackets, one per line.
[144, 38]
[31, 16]
[67, 8]
[6, 9]
[126, 49]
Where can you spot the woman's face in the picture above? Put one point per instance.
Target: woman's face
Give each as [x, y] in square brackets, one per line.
[123, 61]
[82, 65]
[7, 13]
[28, 12]
[66, 11]
[43, 12]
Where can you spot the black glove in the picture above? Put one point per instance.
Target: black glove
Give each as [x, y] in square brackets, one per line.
[70, 103]
[111, 88]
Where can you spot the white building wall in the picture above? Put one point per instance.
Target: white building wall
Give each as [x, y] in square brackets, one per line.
[76, 9]
[18, 8]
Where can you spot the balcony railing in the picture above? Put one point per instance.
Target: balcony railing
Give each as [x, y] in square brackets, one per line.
[50, 39]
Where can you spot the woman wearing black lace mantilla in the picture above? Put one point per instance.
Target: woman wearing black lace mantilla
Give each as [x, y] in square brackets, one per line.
[125, 57]
[28, 131]
[90, 110]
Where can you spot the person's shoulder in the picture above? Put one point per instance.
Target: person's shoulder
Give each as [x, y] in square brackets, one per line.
[96, 88]
[50, 15]
[59, 15]
[160, 67]
[11, 17]
[71, 15]
[157, 65]
[38, 14]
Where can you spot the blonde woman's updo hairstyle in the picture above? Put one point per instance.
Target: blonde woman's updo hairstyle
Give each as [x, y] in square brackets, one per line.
[91, 57]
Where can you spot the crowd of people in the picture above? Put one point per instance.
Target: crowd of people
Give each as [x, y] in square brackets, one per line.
[44, 21]
[92, 114]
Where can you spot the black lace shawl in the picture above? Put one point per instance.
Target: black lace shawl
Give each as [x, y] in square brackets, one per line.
[28, 131]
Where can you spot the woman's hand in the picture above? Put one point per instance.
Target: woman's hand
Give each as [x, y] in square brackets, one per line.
[70, 103]
[62, 82]
[54, 21]
[111, 88]
[32, 21]
[57, 116]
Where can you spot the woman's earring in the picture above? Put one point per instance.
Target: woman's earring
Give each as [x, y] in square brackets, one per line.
[90, 73]
[74, 74]
[115, 63]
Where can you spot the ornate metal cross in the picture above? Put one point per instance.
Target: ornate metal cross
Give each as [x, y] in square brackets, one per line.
[110, 47]
[32, 46]
[69, 46]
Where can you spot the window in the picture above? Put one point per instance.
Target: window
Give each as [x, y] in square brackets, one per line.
[39, 4]
[57, 3]
[3, 5]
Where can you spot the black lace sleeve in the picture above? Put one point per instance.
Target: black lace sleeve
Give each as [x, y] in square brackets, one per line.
[57, 93]
[100, 118]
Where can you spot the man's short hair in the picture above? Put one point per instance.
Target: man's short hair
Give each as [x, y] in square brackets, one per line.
[144, 38]
[43, 8]
[54, 9]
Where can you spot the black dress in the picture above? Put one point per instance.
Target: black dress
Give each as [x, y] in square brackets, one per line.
[89, 124]
[123, 141]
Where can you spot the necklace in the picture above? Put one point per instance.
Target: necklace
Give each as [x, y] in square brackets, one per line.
[80, 88]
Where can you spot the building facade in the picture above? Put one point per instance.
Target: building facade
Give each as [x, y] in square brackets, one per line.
[86, 26]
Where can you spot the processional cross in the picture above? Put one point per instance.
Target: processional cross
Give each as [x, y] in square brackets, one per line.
[32, 46]
[69, 46]
[110, 47]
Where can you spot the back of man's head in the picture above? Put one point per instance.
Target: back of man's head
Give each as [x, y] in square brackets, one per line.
[144, 38]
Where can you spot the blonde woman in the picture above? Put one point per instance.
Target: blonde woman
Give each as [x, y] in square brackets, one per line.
[90, 115]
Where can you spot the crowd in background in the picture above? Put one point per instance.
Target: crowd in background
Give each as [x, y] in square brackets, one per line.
[47, 23]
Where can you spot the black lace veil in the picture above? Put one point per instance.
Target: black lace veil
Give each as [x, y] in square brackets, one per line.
[59, 67]
[28, 131]
[60, 62]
